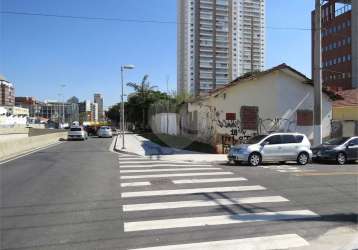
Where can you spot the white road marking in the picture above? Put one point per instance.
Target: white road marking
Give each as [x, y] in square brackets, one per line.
[289, 170]
[127, 177]
[192, 181]
[147, 161]
[135, 184]
[162, 165]
[191, 191]
[217, 220]
[202, 203]
[276, 242]
[165, 170]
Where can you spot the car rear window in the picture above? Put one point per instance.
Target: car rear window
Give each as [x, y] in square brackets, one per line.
[288, 139]
[76, 129]
[299, 138]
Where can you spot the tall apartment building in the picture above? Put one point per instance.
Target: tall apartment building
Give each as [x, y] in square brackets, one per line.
[218, 40]
[7, 92]
[339, 44]
[99, 100]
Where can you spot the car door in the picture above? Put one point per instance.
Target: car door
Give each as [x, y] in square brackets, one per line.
[352, 149]
[288, 147]
[271, 148]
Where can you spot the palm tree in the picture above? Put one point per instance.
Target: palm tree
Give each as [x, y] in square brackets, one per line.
[143, 90]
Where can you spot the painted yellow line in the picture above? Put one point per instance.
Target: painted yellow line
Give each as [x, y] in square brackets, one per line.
[327, 173]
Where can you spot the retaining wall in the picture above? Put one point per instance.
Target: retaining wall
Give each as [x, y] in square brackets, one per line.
[14, 147]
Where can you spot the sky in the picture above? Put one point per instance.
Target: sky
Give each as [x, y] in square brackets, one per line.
[39, 54]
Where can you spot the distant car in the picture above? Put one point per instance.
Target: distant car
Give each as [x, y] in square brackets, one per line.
[277, 147]
[339, 150]
[77, 133]
[104, 132]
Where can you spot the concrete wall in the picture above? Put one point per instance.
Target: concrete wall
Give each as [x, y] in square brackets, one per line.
[164, 123]
[355, 43]
[14, 147]
[8, 134]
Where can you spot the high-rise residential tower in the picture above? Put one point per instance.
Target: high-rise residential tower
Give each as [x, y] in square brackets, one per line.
[99, 100]
[218, 40]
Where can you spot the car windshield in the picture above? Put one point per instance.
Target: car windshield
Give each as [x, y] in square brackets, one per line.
[336, 141]
[256, 139]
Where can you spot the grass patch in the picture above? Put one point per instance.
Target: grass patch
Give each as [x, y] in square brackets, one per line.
[179, 142]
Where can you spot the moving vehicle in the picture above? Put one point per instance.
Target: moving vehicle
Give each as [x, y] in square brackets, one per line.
[276, 147]
[77, 133]
[339, 150]
[104, 131]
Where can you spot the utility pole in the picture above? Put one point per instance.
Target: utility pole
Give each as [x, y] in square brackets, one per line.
[63, 103]
[252, 45]
[317, 77]
[123, 67]
[167, 105]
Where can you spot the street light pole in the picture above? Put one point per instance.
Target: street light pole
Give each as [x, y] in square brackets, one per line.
[317, 77]
[122, 99]
[63, 103]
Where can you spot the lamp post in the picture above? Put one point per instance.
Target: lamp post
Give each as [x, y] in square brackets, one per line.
[123, 67]
[63, 103]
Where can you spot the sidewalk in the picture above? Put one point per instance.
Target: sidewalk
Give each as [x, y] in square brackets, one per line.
[139, 145]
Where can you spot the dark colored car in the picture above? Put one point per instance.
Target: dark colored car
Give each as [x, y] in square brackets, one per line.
[340, 150]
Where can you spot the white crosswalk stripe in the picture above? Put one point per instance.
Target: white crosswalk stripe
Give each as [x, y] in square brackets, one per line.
[276, 242]
[191, 191]
[160, 165]
[288, 169]
[126, 177]
[202, 203]
[144, 201]
[217, 220]
[166, 170]
[211, 180]
[136, 184]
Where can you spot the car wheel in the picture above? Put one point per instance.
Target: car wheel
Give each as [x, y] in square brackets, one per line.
[254, 159]
[341, 158]
[303, 158]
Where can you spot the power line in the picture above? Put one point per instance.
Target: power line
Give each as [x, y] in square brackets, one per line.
[124, 20]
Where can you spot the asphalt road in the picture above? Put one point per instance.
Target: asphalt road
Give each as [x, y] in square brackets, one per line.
[79, 195]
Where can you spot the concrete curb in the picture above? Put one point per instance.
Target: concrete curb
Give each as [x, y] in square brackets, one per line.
[122, 151]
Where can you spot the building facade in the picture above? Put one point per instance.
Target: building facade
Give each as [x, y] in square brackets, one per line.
[30, 103]
[94, 112]
[99, 100]
[218, 40]
[339, 44]
[59, 112]
[7, 93]
[237, 112]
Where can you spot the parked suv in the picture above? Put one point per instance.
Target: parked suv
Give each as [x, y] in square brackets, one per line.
[340, 150]
[277, 147]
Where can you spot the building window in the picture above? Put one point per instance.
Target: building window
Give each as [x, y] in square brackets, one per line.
[249, 117]
[304, 117]
[230, 116]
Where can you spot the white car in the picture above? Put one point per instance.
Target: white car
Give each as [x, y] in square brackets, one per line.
[77, 133]
[277, 147]
[104, 132]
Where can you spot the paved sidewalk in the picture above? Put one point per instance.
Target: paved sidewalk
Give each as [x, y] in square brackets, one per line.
[139, 145]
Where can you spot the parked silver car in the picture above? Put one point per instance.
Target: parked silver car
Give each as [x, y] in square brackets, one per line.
[104, 132]
[277, 147]
[77, 133]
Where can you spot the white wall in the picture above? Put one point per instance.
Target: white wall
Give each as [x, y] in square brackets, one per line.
[277, 95]
[165, 123]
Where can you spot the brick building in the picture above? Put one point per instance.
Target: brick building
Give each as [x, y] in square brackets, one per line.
[339, 36]
[7, 92]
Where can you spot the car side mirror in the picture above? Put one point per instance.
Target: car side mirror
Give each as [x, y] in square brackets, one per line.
[265, 143]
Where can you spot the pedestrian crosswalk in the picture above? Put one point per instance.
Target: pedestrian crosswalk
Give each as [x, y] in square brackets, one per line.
[177, 203]
[288, 168]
